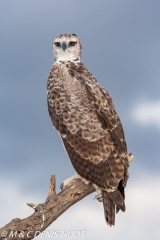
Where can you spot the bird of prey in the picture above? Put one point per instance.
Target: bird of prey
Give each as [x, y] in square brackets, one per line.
[83, 113]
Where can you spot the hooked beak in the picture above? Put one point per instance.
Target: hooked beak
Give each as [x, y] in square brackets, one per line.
[64, 46]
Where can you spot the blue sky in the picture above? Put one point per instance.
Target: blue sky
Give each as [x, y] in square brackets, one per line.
[121, 47]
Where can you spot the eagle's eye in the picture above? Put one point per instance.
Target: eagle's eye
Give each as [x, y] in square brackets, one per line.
[57, 44]
[72, 43]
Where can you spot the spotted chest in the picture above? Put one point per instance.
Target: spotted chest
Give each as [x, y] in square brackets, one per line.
[69, 100]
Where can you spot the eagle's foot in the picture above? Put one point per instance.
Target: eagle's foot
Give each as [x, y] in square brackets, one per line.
[68, 181]
[88, 186]
[99, 194]
[98, 197]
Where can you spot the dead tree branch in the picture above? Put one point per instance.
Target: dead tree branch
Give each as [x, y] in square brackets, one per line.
[47, 212]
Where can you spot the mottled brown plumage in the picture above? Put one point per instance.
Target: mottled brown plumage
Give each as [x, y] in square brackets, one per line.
[83, 113]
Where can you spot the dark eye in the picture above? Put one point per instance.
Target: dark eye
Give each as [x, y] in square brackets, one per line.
[57, 44]
[72, 43]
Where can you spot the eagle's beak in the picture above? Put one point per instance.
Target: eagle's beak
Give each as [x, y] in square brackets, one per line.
[64, 46]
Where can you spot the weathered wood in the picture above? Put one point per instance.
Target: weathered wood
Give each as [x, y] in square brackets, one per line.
[47, 212]
[52, 186]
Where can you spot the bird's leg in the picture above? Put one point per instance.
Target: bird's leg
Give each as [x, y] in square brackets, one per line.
[88, 187]
[99, 194]
[68, 181]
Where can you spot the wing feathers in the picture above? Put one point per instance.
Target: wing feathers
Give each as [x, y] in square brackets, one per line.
[104, 106]
[116, 165]
[117, 199]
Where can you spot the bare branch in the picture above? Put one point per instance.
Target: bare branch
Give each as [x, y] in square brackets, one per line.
[52, 186]
[47, 212]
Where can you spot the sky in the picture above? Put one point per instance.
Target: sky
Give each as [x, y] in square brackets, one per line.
[121, 47]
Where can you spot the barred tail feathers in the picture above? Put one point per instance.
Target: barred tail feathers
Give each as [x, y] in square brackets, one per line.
[110, 200]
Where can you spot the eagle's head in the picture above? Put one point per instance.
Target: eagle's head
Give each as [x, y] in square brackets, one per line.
[66, 46]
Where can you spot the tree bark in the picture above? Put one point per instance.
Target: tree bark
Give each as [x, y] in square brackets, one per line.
[47, 212]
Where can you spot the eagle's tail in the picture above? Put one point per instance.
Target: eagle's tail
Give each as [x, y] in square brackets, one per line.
[110, 199]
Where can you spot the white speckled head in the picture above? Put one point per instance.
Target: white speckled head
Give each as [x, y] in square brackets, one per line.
[66, 46]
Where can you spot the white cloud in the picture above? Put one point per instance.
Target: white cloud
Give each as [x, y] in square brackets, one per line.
[13, 202]
[148, 113]
[140, 221]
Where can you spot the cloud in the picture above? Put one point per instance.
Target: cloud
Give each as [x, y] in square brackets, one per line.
[13, 202]
[147, 113]
[140, 221]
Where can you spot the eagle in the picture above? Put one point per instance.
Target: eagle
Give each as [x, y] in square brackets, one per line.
[83, 113]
